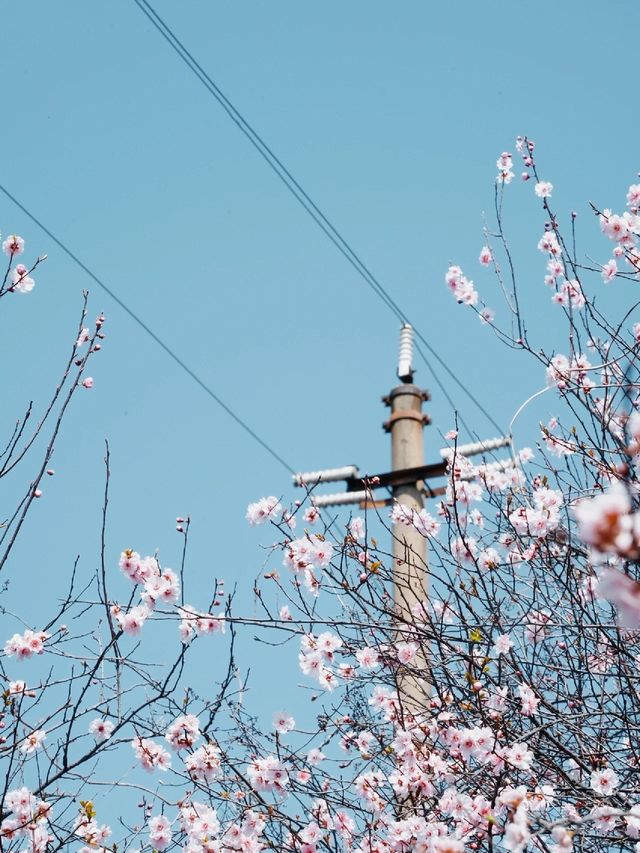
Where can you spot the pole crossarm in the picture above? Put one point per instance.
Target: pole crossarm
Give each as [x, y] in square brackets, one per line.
[403, 477]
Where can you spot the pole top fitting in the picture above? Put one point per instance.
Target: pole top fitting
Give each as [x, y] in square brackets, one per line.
[406, 415]
[407, 389]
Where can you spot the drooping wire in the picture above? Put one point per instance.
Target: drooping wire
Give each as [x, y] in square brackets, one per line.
[302, 197]
[137, 319]
[265, 151]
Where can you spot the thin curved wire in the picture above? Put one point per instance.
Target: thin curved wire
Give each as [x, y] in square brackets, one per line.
[302, 197]
[137, 319]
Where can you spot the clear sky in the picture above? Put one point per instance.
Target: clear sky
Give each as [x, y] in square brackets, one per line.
[391, 115]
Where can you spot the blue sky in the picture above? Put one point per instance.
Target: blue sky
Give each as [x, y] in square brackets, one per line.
[392, 117]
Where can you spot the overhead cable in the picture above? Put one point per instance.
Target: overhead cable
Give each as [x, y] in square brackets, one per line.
[303, 198]
[146, 328]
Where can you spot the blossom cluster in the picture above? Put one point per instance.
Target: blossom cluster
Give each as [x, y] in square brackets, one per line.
[152, 756]
[94, 835]
[624, 230]
[193, 623]
[204, 764]
[28, 818]
[461, 287]
[23, 646]
[183, 732]
[268, 774]
[161, 586]
[20, 280]
[317, 656]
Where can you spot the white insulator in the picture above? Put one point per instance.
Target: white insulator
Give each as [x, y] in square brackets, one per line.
[340, 498]
[405, 358]
[500, 465]
[312, 478]
[476, 447]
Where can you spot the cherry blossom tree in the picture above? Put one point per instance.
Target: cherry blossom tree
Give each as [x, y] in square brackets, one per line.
[502, 714]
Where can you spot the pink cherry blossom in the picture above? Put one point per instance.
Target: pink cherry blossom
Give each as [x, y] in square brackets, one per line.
[461, 287]
[32, 741]
[315, 756]
[528, 699]
[502, 645]
[23, 646]
[132, 621]
[283, 722]
[21, 281]
[543, 189]
[633, 195]
[13, 245]
[101, 729]
[264, 510]
[606, 523]
[183, 732]
[357, 528]
[204, 764]
[311, 515]
[160, 832]
[151, 755]
[406, 652]
[623, 592]
[268, 774]
[368, 658]
[604, 781]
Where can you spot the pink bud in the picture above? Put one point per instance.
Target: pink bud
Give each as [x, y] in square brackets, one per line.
[525, 176]
[179, 520]
[216, 603]
[97, 347]
[528, 161]
[88, 382]
[37, 493]
[180, 528]
[50, 472]
[363, 577]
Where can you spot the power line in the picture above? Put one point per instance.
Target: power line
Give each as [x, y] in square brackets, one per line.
[137, 319]
[302, 197]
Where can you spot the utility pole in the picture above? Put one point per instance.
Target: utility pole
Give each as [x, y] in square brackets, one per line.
[407, 452]
[409, 549]
[408, 488]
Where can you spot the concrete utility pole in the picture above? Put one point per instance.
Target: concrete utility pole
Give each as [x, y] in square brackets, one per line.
[407, 483]
[407, 452]
[410, 567]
